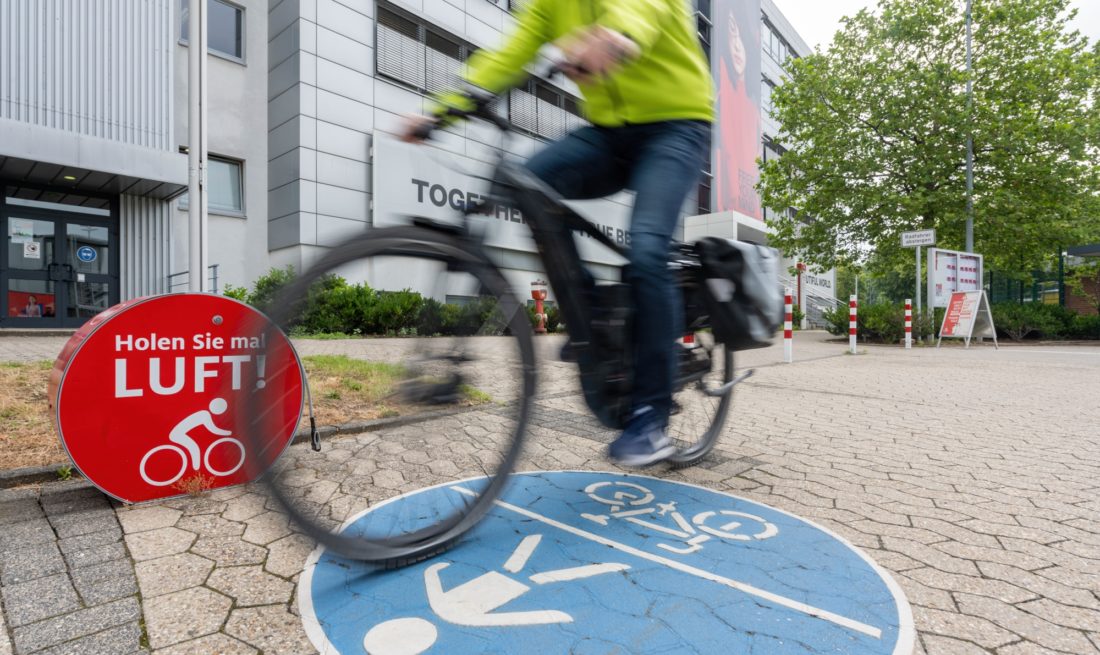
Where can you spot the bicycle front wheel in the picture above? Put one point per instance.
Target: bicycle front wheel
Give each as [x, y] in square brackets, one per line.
[698, 417]
[464, 386]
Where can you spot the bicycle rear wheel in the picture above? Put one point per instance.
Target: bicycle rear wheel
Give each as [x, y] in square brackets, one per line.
[698, 417]
[476, 385]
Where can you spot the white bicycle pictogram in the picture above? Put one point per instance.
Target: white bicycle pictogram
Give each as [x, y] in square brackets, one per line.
[627, 499]
[188, 449]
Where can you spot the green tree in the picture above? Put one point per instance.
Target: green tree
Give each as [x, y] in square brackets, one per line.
[875, 129]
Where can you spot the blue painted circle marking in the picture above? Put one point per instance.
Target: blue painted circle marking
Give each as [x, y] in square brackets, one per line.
[596, 562]
[86, 254]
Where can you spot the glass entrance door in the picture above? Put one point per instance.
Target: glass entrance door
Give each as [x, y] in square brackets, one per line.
[57, 269]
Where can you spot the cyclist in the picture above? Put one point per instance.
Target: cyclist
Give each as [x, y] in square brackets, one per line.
[203, 418]
[647, 92]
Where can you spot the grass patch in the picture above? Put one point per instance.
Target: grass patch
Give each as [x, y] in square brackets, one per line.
[344, 390]
[27, 436]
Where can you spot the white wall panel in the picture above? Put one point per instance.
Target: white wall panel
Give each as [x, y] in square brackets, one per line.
[99, 68]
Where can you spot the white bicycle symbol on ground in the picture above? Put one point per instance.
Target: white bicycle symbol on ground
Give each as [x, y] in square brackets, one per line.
[626, 499]
[188, 450]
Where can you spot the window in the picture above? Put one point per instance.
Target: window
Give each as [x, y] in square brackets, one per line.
[703, 24]
[224, 25]
[544, 111]
[411, 52]
[774, 45]
[766, 88]
[224, 192]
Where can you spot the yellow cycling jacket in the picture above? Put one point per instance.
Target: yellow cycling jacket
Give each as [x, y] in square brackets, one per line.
[670, 80]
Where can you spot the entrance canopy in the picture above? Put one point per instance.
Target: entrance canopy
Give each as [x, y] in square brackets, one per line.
[1085, 251]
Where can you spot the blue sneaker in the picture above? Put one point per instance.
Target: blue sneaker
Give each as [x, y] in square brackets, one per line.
[643, 442]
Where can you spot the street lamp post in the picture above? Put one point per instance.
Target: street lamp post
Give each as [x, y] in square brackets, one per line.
[969, 139]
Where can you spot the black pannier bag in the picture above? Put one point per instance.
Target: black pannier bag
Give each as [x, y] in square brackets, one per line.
[741, 283]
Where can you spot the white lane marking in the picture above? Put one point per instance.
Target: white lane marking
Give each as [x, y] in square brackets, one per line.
[1053, 352]
[782, 601]
[522, 553]
[577, 572]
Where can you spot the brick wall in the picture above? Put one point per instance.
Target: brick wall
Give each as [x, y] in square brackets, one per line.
[1081, 304]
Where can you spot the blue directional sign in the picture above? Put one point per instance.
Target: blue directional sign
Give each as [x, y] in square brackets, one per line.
[588, 563]
[86, 254]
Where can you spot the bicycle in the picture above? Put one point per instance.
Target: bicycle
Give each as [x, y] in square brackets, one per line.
[598, 324]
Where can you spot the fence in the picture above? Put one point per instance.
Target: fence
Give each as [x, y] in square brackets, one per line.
[183, 279]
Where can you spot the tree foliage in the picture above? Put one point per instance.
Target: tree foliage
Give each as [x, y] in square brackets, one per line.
[875, 129]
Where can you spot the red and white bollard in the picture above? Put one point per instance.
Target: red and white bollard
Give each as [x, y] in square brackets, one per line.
[908, 324]
[852, 324]
[788, 327]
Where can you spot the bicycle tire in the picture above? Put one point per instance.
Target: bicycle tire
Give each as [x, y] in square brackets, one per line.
[427, 540]
[695, 439]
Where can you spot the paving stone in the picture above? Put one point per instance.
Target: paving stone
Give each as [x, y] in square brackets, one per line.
[273, 630]
[229, 551]
[215, 644]
[244, 507]
[74, 524]
[26, 533]
[114, 641]
[142, 519]
[5, 643]
[159, 543]
[250, 585]
[211, 525]
[39, 599]
[184, 615]
[287, 556]
[949, 646]
[22, 564]
[204, 505]
[166, 575]
[1023, 624]
[105, 582]
[80, 557]
[77, 624]
[19, 510]
[266, 528]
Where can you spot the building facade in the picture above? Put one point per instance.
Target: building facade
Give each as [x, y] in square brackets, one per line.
[305, 97]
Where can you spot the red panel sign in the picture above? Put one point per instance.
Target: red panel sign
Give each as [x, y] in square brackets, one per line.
[146, 395]
[960, 314]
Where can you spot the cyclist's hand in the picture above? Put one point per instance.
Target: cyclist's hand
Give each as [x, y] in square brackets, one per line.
[416, 128]
[595, 52]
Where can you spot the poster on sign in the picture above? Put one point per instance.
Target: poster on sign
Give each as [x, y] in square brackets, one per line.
[145, 397]
[967, 316]
[950, 271]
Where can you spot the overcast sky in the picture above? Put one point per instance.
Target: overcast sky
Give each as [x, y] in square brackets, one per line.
[818, 20]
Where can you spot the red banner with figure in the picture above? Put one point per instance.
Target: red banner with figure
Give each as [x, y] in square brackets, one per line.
[735, 57]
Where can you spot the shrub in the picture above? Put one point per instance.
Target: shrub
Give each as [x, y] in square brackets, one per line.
[836, 320]
[267, 286]
[429, 320]
[883, 322]
[1085, 327]
[1017, 322]
[237, 293]
[336, 306]
[394, 310]
[796, 316]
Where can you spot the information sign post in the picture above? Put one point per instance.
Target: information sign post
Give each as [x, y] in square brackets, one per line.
[917, 239]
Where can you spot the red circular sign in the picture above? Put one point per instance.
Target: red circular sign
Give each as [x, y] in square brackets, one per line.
[146, 396]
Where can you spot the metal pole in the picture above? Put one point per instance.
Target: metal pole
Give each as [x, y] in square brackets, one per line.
[919, 281]
[196, 146]
[969, 139]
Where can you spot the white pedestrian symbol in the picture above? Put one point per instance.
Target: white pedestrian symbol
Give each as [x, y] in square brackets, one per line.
[475, 603]
[190, 451]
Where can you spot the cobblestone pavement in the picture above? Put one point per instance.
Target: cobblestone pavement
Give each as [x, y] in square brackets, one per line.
[972, 476]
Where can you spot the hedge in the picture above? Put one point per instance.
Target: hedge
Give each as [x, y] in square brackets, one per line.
[885, 322]
[335, 306]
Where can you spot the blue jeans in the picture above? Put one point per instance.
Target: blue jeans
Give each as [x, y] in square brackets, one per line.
[661, 163]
